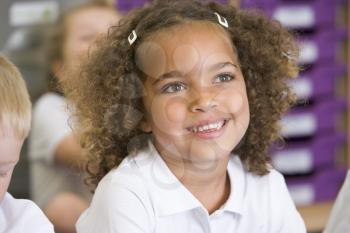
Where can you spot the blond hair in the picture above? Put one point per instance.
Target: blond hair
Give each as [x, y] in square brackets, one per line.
[15, 105]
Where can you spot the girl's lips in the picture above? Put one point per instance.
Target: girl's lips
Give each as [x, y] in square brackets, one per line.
[209, 130]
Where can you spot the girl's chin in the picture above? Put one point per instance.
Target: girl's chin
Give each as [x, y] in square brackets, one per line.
[196, 150]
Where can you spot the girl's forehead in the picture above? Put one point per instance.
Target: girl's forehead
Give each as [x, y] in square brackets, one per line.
[189, 33]
[190, 29]
[185, 47]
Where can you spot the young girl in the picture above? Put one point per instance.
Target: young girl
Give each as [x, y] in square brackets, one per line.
[56, 157]
[177, 108]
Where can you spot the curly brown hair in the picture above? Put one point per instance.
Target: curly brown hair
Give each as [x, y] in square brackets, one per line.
[108, 94]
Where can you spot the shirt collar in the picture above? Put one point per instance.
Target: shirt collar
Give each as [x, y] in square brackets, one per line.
[235, 202]
[172, 197]
[169, 195]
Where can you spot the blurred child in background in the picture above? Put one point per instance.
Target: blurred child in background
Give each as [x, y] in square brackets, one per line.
[15, 117]
[56, 157]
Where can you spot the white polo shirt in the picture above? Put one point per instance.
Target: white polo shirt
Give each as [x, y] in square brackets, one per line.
[142, 195]
[22, 216]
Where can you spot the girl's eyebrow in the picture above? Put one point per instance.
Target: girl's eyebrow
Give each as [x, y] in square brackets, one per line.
[171, 74]
[221, 65]
[176, 73]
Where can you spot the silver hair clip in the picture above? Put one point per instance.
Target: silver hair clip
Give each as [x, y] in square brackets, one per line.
[222, 20]
[132, 37]
[289, 56]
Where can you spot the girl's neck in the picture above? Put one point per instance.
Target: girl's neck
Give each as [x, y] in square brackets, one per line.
[210, 184]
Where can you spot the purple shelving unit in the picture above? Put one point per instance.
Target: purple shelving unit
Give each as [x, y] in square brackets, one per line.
[323, 185]
[320, 82]
[312, 132]
[322, 46]
[315, 119]
[309, 155]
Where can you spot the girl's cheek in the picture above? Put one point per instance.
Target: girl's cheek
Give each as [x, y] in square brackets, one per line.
[169, 113]
[176, 110]
[237, 100]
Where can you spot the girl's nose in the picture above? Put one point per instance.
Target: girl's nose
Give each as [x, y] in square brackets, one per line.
[203, 101]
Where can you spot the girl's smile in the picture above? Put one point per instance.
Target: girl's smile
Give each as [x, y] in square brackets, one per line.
[209, 129]
[195, 99]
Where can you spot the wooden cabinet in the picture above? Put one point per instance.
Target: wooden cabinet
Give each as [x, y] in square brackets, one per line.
[316, 216]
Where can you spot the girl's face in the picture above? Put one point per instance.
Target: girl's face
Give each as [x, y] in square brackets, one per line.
[195, 95]
[82, 29]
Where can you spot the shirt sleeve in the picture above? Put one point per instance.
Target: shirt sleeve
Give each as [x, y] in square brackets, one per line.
[288, 218]
[339, 218]
[50, 126]
[116, 208]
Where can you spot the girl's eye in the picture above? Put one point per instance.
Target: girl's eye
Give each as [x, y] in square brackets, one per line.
[223, 78]
[173, 87]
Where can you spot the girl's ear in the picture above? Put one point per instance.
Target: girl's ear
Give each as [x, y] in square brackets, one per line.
[145, 126]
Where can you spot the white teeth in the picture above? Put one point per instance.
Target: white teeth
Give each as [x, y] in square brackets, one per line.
[217, 126]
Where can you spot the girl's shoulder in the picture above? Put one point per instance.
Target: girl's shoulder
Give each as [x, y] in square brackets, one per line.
[131, 173]
[144, 174]
[268, 192]
[272, 179]
[122, 195]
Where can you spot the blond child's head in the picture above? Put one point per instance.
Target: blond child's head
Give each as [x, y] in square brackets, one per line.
[15, 120]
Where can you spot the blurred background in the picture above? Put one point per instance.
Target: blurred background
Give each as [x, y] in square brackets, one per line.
[315, 155]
